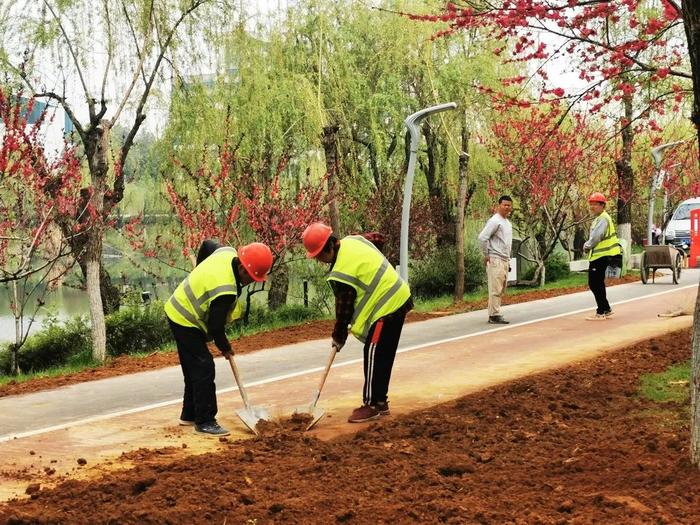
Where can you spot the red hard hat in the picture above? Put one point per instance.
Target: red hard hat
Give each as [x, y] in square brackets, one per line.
[315, 237]
[596, 196]
[256, 258]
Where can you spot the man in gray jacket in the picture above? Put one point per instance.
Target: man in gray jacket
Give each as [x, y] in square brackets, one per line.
[495, 242]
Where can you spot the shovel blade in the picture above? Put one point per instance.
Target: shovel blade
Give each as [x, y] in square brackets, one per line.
[317, 414]
[250, 418]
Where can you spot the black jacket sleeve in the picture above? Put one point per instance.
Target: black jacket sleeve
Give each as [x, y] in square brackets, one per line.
[218, 313]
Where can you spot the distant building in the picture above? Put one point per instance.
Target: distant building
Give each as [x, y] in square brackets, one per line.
[57, 127]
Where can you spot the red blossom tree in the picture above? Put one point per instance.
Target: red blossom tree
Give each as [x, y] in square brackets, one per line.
[631, 57]
[35, 192]
[234, 201]
[548, 170]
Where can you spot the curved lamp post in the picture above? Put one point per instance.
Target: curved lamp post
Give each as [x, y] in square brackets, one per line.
[658, 154]
[413, 124]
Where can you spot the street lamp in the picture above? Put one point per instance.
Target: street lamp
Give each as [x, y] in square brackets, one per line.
[658, 154]
[664, 209]
[413, 124]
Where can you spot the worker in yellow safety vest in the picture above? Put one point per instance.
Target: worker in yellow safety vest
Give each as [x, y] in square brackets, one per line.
[371, 299]
[603, 248]
[198, 312]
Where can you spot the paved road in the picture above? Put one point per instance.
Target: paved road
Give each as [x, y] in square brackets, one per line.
[32, 413]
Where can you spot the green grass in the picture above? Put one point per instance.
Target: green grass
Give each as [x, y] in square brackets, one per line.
[286, 317]
[265, 320]
[442, 302]
[77, 363]
[669, 386]
[445, 301]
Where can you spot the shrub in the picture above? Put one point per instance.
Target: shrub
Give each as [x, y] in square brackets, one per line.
[130, 330]
[52, 346]
[556, 267]
[137, 329]
[436, 274]
[287, 314]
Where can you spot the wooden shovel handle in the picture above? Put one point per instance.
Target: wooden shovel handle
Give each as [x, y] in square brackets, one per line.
[331, 358]
[237, 377]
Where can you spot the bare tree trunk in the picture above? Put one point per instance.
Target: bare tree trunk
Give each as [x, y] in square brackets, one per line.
[14, 365]
[279, 288]
[691, 22]
[330, 148]
[97, 315]
[625, 176]
[695, 387]
[99, 166]
[461, 208]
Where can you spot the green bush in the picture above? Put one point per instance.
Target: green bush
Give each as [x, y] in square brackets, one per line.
[132, 329]
[436, 274]
[52, 346]
[288, 314]
[556, 267]
[137, 329]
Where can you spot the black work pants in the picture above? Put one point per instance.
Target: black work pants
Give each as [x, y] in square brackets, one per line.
[596, 282]
[199, 399]
[379, 352]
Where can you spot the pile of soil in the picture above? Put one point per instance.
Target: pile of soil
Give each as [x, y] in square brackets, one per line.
[283, 336]
[575, 445]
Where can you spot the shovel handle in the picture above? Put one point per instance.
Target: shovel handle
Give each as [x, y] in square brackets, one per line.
[331, 358]
[236, 376]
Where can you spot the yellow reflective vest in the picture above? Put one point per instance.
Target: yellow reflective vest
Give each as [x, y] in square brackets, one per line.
[609, 244]
[380, 290]
[212, 278]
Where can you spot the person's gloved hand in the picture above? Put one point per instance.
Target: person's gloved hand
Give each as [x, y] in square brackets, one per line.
[586, 246]
[227, 355]
[335, 344]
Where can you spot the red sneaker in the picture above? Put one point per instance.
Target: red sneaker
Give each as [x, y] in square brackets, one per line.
[383, 408]
[364, 413]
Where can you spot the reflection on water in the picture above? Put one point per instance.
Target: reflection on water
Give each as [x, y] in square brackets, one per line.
[63, 303]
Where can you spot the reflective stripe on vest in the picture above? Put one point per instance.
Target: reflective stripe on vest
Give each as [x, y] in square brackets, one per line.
[213, 277]
[608, 245]
[380, 290]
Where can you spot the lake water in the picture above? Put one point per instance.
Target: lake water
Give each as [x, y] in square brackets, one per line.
[64, 303]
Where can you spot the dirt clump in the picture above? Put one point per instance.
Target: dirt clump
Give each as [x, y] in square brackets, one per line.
[33, 488]
[281, 427]
[565, 446]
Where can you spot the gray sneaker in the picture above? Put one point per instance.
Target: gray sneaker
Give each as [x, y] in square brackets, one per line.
[211, 428]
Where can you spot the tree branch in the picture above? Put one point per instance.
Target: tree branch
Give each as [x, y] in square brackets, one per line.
[89, 99]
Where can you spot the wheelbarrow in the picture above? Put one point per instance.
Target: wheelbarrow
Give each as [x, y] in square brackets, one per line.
[657, 257]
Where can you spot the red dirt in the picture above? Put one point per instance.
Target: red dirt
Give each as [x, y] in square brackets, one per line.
[283, 336]
[575, 445]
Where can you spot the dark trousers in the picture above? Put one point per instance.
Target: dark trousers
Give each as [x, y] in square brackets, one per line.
[199, 400]
[380, 351]
[596, 282]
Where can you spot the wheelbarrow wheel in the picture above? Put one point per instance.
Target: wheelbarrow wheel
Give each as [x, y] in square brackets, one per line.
[678, 265]
[643, 270]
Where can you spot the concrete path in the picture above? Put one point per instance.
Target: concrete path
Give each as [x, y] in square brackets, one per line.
[53, 409]
[440, 359]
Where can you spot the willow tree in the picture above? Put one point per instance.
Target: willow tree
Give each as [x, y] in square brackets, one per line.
[371, 69]
[101, 62]
[264, 111]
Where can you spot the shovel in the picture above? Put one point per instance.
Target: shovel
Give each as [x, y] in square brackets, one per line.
[316, 412]
[250, 415]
